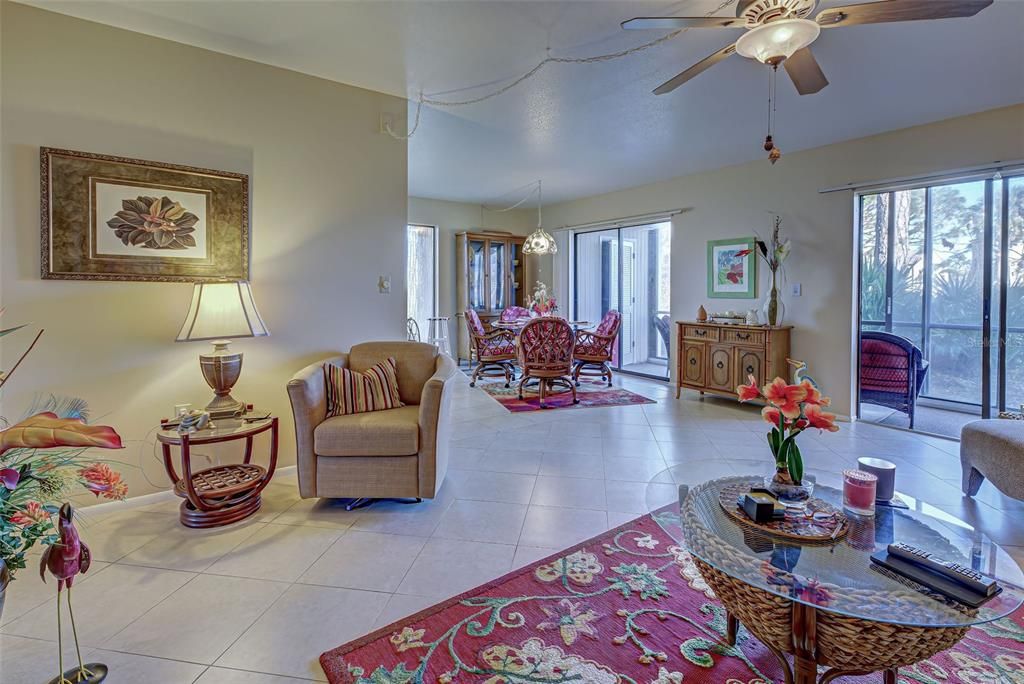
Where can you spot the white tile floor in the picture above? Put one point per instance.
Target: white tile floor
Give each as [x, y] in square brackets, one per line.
[170, 605]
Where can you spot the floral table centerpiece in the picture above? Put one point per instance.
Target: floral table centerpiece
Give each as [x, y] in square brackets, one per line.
[541, 304]
[774, 254]
[43, 458]
[790, 410]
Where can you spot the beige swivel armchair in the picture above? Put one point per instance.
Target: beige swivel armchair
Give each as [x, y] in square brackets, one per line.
[399, 453]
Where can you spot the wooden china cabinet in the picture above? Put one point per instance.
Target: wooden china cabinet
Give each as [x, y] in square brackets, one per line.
[491, 273]
[717, 357]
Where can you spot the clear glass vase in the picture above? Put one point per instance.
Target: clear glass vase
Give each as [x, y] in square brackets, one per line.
[792, 496]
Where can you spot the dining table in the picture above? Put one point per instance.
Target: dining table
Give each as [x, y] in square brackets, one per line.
[518, 324]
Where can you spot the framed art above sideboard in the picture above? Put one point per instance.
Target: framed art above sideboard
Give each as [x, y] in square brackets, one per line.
[732, 268]
[115, 218]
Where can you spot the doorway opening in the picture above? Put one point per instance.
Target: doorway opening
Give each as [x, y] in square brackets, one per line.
[628, 269]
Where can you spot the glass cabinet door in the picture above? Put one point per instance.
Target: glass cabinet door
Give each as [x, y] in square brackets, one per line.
[476, 273]
[516, 271]
[498, 275]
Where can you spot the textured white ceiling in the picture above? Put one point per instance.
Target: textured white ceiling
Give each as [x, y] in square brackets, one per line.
[587, 129]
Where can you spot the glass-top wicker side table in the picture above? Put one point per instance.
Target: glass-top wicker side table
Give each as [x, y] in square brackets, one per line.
[826, 604]
[226, 493]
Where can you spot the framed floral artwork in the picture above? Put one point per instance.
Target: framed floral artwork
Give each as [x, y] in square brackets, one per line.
[114, 218]
[732, 268]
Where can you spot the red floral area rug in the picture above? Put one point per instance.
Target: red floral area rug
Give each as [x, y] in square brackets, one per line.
[627, 607]
[591, 393]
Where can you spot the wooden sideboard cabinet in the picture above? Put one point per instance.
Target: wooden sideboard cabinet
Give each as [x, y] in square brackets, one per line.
[716, 358]
[491, 273]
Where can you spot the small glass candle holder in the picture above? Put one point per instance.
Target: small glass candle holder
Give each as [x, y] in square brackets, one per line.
[859, 492]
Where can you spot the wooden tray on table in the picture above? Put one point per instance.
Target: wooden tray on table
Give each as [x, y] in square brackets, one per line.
[807, 526]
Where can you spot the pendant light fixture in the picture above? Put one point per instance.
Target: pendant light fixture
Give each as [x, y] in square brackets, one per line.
[540, 241]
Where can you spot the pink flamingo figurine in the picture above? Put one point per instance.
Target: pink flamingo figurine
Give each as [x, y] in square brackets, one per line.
[65, 559]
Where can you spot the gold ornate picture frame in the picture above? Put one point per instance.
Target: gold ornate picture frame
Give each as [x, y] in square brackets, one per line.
[116, 218]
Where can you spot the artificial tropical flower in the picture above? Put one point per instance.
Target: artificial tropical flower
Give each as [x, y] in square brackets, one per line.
[817, 418]
[814, 394]
[31, 514]
[749, 392]
[790, 410]
[773, 416]
[786, 398]
[102, 480]
[9, 478]
[46, 431]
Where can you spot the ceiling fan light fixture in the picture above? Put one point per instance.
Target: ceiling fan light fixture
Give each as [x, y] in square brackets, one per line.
[777, 41]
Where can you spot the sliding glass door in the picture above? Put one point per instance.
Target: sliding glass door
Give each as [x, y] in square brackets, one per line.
[627, 269]
[942, 268]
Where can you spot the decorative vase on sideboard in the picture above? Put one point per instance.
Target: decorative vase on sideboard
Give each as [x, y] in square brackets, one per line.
[774, 310]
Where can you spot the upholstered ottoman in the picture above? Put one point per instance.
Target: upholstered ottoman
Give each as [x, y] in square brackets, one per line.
[993, 449]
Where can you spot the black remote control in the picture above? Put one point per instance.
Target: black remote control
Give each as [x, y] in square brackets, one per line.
[969, 577]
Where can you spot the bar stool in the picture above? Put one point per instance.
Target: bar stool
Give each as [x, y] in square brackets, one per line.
[412, 330]
[437, 334]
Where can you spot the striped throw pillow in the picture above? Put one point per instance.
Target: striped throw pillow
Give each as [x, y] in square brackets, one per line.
[350, 392]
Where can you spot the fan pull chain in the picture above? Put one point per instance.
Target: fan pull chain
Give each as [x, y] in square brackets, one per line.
[774, 153]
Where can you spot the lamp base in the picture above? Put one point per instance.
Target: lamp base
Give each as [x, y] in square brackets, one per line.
[225, 407]
[221, 369]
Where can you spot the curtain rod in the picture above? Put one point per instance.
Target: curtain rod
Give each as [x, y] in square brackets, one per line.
[967, 170]
[619, 222]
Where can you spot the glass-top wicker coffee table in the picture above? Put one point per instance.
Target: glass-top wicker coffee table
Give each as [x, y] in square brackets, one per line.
[827, 604]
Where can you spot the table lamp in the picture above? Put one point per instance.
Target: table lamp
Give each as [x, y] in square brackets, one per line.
[220, 311]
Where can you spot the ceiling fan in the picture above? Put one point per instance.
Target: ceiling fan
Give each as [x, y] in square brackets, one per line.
[780, 32]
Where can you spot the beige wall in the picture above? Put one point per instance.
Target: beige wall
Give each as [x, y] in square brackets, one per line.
[328, 206]
[737, 201]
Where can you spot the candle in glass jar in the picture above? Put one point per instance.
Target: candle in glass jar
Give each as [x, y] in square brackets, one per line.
[885, 471]
[859, 492]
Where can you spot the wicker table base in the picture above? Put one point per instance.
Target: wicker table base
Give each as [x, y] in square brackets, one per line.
[222, 494]
[845, 645]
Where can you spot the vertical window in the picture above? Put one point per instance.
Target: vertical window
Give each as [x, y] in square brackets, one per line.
[421, 276]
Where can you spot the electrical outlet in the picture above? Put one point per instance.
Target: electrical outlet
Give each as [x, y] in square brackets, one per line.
[387, 121]
[796, 290]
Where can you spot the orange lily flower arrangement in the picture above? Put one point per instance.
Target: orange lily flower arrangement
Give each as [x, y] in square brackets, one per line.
[790, 409]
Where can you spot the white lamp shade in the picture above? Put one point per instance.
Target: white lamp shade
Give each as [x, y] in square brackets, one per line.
[777, 41]
[221, 311]
[539, 242]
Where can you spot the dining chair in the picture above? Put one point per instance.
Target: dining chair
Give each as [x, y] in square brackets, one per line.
[594, 350]
[546, 346]
[495, 351]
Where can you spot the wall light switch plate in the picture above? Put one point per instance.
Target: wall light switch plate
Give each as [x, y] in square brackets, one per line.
[797, 289]
[384, 284]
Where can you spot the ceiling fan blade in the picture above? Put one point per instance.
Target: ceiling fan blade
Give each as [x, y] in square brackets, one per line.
[805, 72]
[698, 68]
[899, 10]
[683, 22]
